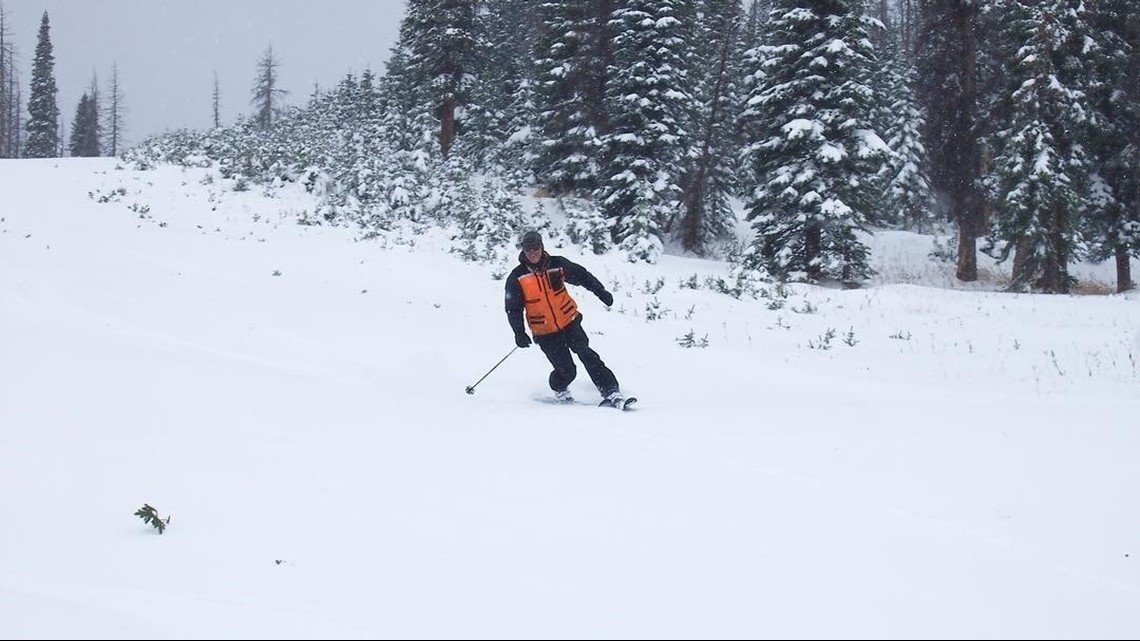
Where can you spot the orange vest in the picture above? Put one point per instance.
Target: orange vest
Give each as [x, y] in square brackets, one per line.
[549, 307]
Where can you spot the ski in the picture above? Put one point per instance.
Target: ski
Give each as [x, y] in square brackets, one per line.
[624, 404]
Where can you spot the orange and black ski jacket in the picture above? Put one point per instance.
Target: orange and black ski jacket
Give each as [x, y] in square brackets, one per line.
[539, 293]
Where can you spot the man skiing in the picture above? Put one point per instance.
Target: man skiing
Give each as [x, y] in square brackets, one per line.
[538, 288]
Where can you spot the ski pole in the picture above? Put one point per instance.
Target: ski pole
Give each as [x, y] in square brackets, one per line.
[471, 388]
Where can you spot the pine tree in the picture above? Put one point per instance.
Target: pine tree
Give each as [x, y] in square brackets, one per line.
[438, 45]
[43, 113]
[1040, 166]
[498, 136]
[755, 24]
[368, 96]
[908, 200]
[710, 179]
[94, 120]
[1114, 222]
[814, 155]
[85, 128]
[407, 108]
[648, 107]
[572, 55]
[75, 145]
[267, 95]
[216, 103]
[948, 91]
[749, 75]
[408, 125]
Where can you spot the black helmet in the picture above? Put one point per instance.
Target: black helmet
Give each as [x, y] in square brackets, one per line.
[530, 240]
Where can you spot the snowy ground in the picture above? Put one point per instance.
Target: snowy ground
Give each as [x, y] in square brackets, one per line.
[914, 459]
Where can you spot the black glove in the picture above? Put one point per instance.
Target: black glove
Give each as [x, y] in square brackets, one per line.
[522, 340]
[606, 298]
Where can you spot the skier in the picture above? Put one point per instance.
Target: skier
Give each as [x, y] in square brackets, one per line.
[538, 288]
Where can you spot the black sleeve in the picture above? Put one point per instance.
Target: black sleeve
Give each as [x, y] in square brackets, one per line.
[578, 275]
[514, 303]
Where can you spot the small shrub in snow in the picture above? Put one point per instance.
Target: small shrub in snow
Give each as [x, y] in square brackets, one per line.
[823, 342]
[807, 308]
[690, 340]
[655, 310]
[653, 287]
[149, 515]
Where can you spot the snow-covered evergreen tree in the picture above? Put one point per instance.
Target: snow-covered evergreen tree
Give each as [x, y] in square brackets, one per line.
[907, 199]
[426, 103]
[814, 153]
[571, 61]
[350, 150]
[438, 41]
[85, 128]
[414, 128]
[489, 222]
[371, 148]
[749, 77]
[1113, 223]
[1040, 164]
[43, 111]
[586, 225]
[499, 136]
[757, 15]
[645, 147]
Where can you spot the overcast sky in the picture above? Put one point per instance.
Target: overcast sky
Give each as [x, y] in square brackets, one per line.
[167, 51]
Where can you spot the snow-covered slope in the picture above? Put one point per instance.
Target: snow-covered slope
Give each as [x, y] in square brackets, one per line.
[912, 459]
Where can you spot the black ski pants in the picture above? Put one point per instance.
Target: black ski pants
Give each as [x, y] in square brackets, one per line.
[557, 348]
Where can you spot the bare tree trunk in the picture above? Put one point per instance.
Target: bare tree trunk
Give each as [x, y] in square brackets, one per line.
[694, 203]
[17, 131]
[267, 96]
[604, 58]
[9, 109]
[813, 242]
[1055, 276]
[1123, 270]
[1019, 276]
[447, 126]
[905, 27]
[967, 267]
[114, 114]
[970, 202]
[986, 206]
